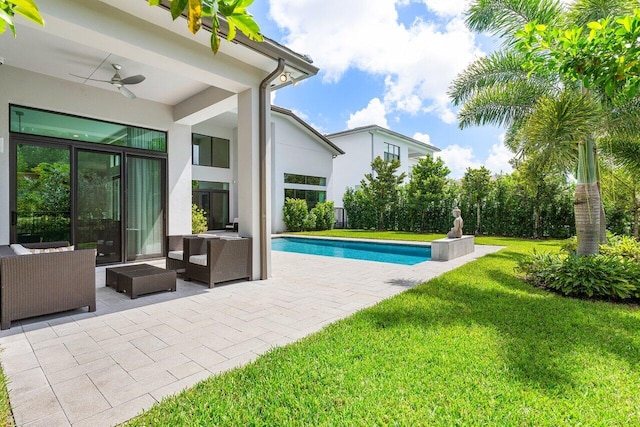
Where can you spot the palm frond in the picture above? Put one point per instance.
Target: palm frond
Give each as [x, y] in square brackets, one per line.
[503, 18]
[556, 126]
[623, 119]
[500, 105]
[584, 11]
[499, 68]
[624, 152]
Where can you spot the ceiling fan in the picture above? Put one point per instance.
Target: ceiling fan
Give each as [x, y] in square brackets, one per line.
[119, 82]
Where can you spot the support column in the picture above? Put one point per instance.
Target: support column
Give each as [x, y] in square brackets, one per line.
[249, 172]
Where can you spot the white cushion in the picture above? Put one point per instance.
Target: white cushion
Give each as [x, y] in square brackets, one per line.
[179, 255]
[198, 259]
[208, 236]
[19, 249]
[51, 250]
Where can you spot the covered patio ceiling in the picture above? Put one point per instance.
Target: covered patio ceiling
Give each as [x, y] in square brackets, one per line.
[70, 44]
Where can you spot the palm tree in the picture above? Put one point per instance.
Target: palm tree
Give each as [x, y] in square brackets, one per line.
[550, 121]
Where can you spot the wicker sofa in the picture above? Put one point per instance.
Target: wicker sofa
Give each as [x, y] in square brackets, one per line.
[45, 283]
[217, 260]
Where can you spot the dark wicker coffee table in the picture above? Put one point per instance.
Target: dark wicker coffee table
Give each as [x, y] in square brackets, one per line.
[140, 279]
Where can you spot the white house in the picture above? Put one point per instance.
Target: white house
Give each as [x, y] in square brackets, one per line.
[302, 163]
[124, 166]
[362, 145]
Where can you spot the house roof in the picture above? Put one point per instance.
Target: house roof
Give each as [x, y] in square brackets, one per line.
[306, 126]
[299, 65]
[380, 129]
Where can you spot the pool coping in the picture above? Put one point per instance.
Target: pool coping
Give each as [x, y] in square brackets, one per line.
[355, 239]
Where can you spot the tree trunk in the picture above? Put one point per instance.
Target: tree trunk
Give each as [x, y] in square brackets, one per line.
[603, 218]
[478, 225]
[636, 215]
[587, 203]
[587, 210]
[536, 220]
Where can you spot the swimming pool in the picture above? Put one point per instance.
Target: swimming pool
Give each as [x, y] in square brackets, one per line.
[369, 251]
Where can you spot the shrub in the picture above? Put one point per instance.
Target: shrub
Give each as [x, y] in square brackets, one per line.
[588, 276]
[622, 246]
[325, 215]
[294, 211]
[309, 222]
[198, 220]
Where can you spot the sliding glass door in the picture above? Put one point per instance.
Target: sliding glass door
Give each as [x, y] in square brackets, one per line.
[145, 207]
[99, 205]
[41, 211]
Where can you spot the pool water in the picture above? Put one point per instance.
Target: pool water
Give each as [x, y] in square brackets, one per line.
[381, 252]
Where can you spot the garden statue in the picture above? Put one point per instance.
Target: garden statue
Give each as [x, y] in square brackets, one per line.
[456, 231]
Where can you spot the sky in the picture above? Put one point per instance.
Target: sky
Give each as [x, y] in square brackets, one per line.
[385, 62]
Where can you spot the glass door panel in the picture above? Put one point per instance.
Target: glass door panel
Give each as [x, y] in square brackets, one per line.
[145, 215]
[219, 210]
[43, 201]
[99, 205]
[202, 200]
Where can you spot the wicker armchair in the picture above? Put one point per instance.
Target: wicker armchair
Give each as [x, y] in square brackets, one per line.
[39, 284]
[217, 260]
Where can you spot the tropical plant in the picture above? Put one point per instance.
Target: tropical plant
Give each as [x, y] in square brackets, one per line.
[234, 11]
[325, 215]
[381, 187]
[550, 118]
[294, 213]
[198, 219]
[476, 184]
[25, 8]
[426, 186]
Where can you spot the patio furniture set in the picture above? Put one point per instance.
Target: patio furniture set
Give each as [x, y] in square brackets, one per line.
[44, 278]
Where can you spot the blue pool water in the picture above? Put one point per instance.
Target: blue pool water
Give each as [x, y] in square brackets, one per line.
[381, 252]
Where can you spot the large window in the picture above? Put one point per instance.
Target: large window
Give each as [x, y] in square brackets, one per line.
[213, 197]
[391, 152]
[74, 179]
[210, 151]
[45, 123]
[290, 178]
[312, 197]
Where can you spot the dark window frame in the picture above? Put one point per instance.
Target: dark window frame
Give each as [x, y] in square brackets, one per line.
[391, 152]
[196, 160]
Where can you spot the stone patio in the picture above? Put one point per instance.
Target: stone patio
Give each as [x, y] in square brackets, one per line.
[103, 368]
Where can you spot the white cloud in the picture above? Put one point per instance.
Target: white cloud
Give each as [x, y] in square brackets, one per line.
[422, 137]
[373, 114]
[447, 7]
[458, 159]
[418, 61]
[498, 159]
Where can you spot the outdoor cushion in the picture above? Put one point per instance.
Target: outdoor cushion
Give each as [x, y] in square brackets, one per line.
[198, 259]
[51, 250]
[19, 249]
[179, 255]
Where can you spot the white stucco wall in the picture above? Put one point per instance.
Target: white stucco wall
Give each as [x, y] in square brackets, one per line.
[211, 174]
[349, 168]
[360, 150]
[28, 89]
[295, 151]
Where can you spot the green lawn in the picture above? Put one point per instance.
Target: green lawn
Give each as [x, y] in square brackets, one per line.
[475, 346]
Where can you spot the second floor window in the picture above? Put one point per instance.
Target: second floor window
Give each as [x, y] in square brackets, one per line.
[210, 151]
[391, 152]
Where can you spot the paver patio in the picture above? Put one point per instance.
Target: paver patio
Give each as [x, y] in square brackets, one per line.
[103, 368]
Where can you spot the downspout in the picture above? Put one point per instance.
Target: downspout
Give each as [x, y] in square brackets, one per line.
[262, 135]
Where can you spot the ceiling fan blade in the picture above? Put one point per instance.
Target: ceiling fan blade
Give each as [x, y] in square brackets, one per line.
[126, 92]
[133, 80]
[87, 78]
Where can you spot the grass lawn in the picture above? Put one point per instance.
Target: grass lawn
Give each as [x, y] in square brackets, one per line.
[475, 346]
